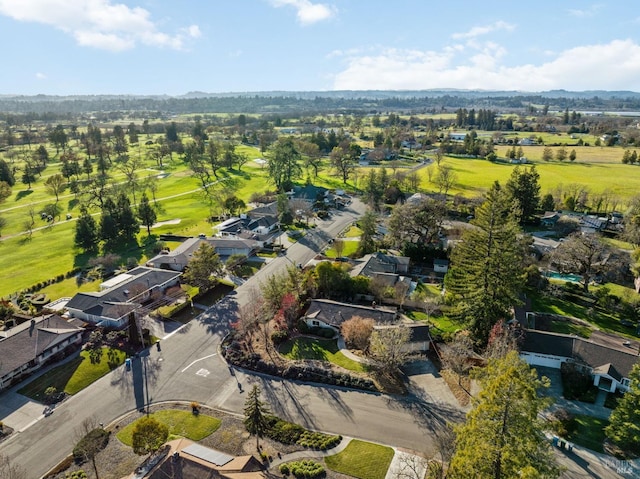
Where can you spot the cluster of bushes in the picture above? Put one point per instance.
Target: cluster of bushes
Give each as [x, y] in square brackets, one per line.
[577, 383]
[563, 423]
[43, 284]
[298, 372]
[303, 469]
[289, 433]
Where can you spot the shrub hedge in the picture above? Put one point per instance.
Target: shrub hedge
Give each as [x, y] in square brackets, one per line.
[303, 469]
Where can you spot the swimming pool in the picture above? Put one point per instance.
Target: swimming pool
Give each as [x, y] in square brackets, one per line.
[574, 278]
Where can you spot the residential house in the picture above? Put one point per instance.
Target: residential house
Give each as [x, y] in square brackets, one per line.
[325, 313]
[440, 266]
[527, 142]
[419, 337]
[111, 307]
[549, 219]
[178, 259]
[29, 346]
[457, 136]
[185, 459]
[378, 262]
[608, 365]
[310, 193]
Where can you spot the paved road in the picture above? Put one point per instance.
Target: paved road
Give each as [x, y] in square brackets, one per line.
[188, 368]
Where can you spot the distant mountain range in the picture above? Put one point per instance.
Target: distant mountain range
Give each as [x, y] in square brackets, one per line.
[347, 94]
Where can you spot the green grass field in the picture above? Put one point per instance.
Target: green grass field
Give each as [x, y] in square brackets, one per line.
[361, 459]
[181, 423]
[349, 248]
[475, 176]
[76, 374]
[321, 350]
[589, 432]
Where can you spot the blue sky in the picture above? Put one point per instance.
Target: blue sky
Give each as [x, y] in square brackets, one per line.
[176, 46]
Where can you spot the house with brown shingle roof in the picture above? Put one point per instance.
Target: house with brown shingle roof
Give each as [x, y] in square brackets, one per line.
[324, 313]
[33, 344]
[185, 459]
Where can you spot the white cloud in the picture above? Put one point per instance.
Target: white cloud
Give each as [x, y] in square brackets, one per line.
[306, 11]
[41, 76]
[99, 24]
[611, 66]
[585, 12]
[484, 30]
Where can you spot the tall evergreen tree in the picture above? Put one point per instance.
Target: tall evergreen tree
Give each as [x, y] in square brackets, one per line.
[204, 267]
[524, 190]
[503, 438]
[284, 165]
[624, 423]
[146, 213]
[128, 226]
[86, 236]
[486, 271]
[256, 415]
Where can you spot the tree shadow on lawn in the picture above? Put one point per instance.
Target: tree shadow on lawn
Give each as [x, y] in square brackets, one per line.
[23, 194]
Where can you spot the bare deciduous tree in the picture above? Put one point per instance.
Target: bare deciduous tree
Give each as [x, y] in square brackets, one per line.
[357, 331]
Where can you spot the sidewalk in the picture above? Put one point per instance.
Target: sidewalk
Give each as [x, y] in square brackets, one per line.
[401, 460]
[294, 456]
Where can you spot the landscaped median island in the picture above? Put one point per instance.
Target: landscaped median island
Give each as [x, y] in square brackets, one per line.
[361, 459]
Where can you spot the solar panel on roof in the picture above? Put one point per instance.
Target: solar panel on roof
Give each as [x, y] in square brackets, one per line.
[210, 455]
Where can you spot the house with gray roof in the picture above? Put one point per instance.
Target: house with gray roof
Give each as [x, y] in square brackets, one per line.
[35, 343]
[110, 307]
[380, 263]
[610, 367]
[178, 259]
[324, 313]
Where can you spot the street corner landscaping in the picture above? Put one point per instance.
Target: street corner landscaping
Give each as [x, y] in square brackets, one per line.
[362, 459]
[194, 426]
[320, 350]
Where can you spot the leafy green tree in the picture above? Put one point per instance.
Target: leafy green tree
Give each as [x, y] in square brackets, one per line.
[284, 164]
[233, 204]
[573, 155]
[487, 270]
[416, 222]
[624, 423]
[146, 214]
[58, 138]
[368, 225]
[204, 267]
[6, 174]
[524, 190]
[344, 158]
[149, 435]
[548, 203]
[503, 437]
[547, 154]
[128, 226]
[29, 171]
[256, 415]
[55, 185]
[41, 156]
[86, 235]
[561, 153]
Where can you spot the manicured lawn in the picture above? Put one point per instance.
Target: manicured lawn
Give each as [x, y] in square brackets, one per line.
[75, 375]
[441, 323]
[475, 176]
[353, 232]
[321, 350]
[180, 423]
[349, 248]
[589, 432]
[363, 460]
[594, 315]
